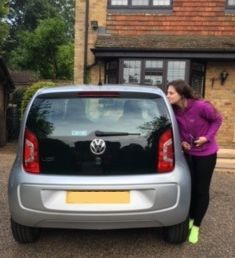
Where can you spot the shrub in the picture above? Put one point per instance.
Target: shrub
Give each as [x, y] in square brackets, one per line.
[30, 91]
[17, 96]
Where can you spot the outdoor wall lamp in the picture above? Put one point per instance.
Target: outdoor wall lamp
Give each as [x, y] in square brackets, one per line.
[223, 77]
[94, 25]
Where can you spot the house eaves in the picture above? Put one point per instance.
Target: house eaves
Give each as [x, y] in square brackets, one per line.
[165, 47]
[5, 78]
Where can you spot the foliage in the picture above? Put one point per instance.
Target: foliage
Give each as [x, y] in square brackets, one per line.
[38, 29]
[25, 16]
[65, 61]
[46, 50]
[28, 94]
[4, 7]
[17, 96]
[66, 10]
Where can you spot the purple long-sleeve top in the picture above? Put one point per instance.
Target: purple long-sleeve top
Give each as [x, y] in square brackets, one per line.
[199, 118]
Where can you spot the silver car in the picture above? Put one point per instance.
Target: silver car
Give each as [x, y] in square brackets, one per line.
[99, 157]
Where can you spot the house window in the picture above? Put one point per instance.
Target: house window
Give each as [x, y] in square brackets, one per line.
[156, 72]
[231, 3]
[198, 77]
[111, 74]
[119, 2]
[151, 71]
[131, 72]
[176, 70]
[139, 2]
[162, 2]
[133, 4]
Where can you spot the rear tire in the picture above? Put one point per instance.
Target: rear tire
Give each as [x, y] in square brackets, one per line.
[24, 234]
[177, 234]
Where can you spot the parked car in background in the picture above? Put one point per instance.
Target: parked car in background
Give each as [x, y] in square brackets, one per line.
[99, 157]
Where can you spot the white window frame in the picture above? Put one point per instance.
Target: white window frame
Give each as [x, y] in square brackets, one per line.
[150, 5]
[230, 5]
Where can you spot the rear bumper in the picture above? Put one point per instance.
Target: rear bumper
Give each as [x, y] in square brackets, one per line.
[150, 205]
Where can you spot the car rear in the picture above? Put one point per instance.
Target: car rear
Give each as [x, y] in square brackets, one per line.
[99, 158]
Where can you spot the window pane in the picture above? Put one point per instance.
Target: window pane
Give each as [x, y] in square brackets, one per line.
[231, 2]
[176, 70]
[119, 2]
[131, 72]
[198, 67]
[154, 64]
[140, 2]
[197, 83]
[112, 72]
[162, 2]
[153, 80]
[197, 79]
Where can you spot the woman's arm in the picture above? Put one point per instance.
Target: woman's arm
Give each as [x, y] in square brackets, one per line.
[214, 119]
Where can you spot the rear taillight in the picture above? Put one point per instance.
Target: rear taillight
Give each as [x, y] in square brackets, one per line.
[31, 153]
[165, 159]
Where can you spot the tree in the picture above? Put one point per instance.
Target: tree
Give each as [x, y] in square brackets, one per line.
[66, 10]
[43, 49]
[25, 15]
[65, 61]
[41, 32]
[4, 8]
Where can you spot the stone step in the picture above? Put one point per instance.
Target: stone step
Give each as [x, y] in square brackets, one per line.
[226, 153]
[225, 164]
[226, 170]
[226, 160]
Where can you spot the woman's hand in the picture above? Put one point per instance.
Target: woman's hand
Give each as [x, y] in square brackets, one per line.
[186, 146]
[200, 141]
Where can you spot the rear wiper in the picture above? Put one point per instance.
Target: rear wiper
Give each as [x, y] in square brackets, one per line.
[102, 133]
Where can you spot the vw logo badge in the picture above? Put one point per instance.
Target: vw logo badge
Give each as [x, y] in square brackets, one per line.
[98, 146]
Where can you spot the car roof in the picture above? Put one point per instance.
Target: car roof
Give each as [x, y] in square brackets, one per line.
[106, 87]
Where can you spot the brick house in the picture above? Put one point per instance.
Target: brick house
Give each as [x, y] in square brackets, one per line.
[6, 87]
[155, 41]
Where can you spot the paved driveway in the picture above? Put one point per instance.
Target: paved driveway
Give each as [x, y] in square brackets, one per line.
[217, 232]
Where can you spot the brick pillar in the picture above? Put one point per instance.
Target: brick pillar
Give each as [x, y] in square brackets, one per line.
[80, 14]
[222, 96]
[97, 12]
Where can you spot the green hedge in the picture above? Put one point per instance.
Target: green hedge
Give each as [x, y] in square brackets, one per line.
[17, 96]
[30, 91]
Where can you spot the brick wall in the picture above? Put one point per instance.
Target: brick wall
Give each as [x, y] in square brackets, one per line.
[223, 97]
[188, 17]
[79, 41]
[98, 10]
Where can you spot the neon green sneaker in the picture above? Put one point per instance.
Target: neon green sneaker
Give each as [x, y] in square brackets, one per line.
[190, 224]
[194, 235]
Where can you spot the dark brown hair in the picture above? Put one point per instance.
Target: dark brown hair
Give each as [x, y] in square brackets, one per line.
[183, 89]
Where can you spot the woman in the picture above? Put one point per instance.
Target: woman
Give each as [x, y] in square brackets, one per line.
[198, 123]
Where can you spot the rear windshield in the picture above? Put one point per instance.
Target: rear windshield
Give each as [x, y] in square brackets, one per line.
[62, 121]
[58, 117]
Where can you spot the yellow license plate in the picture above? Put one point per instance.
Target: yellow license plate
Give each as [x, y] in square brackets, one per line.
[97, 197]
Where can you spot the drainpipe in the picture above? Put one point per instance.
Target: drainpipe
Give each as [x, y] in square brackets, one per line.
[86, 42]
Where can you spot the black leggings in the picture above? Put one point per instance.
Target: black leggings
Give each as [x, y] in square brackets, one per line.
[201, 169]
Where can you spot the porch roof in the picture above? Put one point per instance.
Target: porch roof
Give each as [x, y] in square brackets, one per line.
[210, 47]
